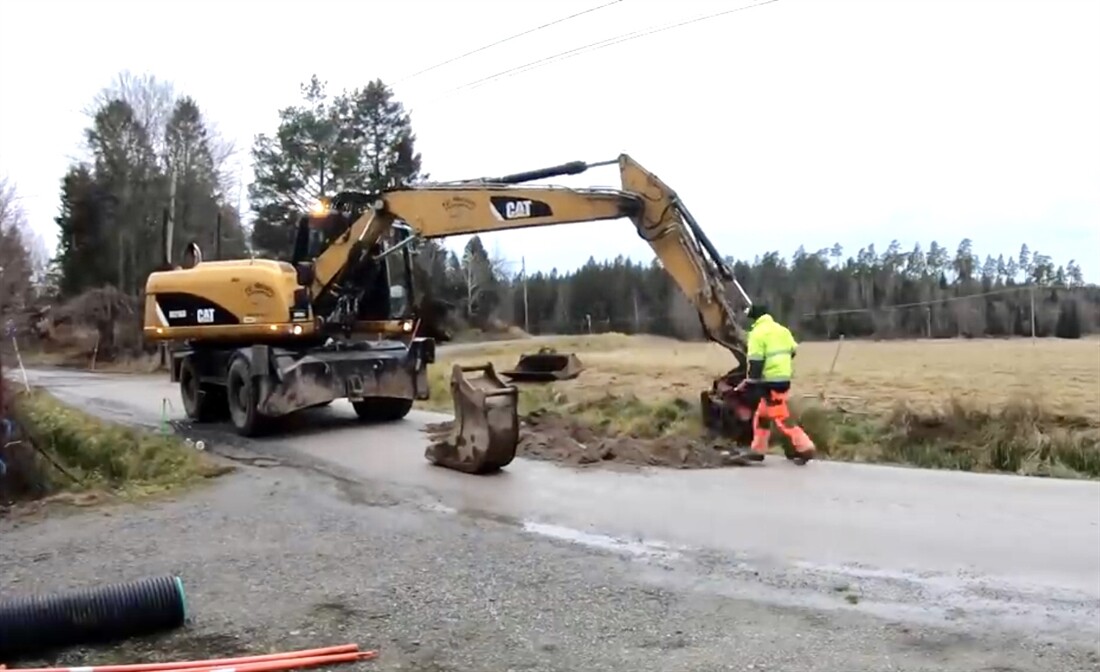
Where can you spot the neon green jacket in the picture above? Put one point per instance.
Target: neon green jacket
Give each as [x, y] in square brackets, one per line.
[771, 349]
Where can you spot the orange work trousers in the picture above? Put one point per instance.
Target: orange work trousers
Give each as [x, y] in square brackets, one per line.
[772, 409]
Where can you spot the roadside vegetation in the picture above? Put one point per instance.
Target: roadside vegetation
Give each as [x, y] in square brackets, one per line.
[55, 450]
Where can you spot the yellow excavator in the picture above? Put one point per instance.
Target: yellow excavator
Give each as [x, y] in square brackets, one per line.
[259, 338]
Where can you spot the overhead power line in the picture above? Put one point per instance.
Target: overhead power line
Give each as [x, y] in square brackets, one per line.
[595, 46]
[507, 39]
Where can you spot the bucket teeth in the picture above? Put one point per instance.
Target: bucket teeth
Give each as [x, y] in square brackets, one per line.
[485, 433]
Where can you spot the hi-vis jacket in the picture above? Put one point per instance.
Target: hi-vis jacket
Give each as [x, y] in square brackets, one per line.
[771, 348]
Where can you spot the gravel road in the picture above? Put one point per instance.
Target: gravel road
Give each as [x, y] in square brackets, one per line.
[344, 534]
[283, 556]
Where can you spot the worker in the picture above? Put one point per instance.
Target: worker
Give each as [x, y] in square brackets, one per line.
[772, 349]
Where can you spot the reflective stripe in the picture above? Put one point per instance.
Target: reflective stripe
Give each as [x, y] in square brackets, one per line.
[778, 352]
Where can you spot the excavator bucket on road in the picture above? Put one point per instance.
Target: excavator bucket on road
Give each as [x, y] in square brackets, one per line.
[485, 433]
[545, 366]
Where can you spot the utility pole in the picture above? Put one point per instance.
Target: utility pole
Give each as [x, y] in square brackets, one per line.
[523, 272]
[1031, 291]
[637, 315]
[171, 218]
[218, 237]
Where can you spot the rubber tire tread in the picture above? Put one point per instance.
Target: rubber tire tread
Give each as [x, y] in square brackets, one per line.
[37, 623]
[256, 423]
[214, 404]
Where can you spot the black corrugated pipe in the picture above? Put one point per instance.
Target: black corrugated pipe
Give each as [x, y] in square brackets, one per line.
[37, 623]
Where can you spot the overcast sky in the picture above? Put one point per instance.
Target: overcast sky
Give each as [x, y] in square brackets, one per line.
[796, 122]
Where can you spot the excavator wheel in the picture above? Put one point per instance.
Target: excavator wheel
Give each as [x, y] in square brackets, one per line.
[485, 433]
[545, 366]
[243, 396]
[202, 402]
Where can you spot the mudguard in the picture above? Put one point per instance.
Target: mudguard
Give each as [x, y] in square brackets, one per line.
[485, 432]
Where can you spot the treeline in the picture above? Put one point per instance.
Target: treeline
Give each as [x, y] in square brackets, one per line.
[154, 167]
[22, 255]
[920, 292]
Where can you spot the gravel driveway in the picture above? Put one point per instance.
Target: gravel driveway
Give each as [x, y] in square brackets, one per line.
[278, 557]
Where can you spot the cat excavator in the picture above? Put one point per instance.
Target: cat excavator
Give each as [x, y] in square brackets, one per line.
[255, 339]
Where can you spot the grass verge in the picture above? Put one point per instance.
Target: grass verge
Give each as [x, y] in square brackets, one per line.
[60, 449]
[1019, 437]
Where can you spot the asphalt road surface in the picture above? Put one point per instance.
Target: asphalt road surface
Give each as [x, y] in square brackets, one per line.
[976, 552]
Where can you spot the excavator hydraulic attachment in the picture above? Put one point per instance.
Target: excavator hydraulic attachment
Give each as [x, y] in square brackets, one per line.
[545, 366]
[727, 412]
[485, 433]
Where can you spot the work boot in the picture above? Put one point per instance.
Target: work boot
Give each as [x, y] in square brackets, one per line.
[802, 449]
[799, 457]
[751, 455]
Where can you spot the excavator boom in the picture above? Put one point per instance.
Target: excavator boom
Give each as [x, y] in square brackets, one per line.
[494, 204]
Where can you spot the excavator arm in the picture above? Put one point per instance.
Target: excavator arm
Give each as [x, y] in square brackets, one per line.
[485, 433]
[493, 204]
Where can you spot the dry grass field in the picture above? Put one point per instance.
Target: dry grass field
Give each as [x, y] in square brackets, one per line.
[1062, 376]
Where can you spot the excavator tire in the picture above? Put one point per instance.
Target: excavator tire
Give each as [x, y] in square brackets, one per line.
[202, 402]
[485, 433]
[545, 366]
[243, 396]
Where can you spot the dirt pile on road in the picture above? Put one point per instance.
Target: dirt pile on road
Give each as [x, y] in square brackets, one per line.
[547, 435]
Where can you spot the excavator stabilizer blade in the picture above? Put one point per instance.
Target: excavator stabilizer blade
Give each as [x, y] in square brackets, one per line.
[485, 433]
[545, 366]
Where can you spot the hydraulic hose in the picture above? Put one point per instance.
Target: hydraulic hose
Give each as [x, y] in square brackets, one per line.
[37, 623]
